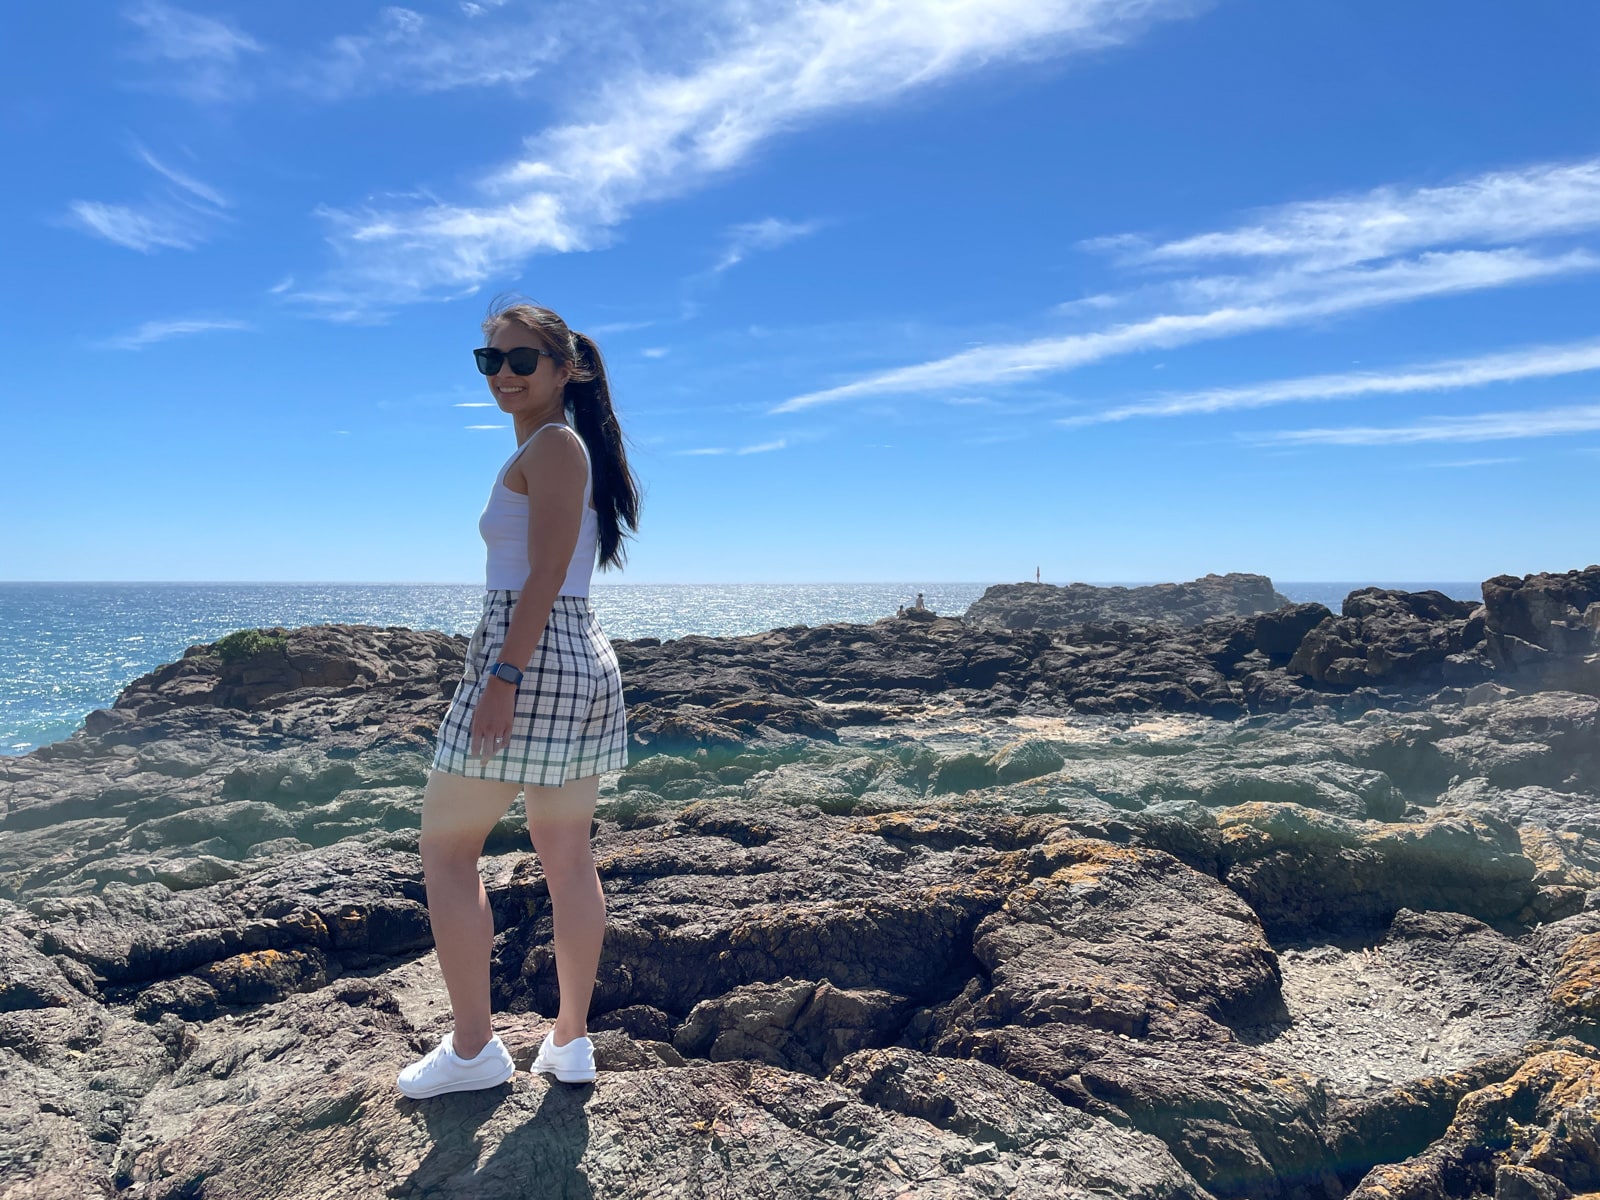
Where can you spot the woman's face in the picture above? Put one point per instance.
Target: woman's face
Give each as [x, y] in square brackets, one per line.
[525, 393]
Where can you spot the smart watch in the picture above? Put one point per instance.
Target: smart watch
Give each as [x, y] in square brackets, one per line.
[506, 671]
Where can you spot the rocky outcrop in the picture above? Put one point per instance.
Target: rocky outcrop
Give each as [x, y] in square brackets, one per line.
[1546, 627]
[1121, 909]
[1048, 606]
[1386, 636]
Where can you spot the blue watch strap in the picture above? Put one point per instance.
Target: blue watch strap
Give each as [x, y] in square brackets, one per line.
[506, 671]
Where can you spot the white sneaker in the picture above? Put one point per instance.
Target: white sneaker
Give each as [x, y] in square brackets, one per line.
[572, 1062]
[440, 1070]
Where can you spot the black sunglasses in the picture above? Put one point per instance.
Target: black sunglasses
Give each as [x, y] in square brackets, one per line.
[524, 360]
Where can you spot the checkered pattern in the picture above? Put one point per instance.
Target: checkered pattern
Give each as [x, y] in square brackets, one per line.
[568, 719]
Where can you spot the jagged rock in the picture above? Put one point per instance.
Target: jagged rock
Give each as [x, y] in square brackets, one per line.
[1048, 606]
[1546, 626]
[1541, 1120]
[1389, 636]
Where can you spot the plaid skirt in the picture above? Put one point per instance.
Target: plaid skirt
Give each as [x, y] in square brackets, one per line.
[568, 719]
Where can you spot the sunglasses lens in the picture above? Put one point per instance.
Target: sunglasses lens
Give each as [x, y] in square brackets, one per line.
[523, 360]
[489, 360]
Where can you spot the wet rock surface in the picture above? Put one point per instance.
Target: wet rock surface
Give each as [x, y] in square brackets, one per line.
[895, 909]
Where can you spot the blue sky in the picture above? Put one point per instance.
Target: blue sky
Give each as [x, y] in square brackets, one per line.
[913, 289]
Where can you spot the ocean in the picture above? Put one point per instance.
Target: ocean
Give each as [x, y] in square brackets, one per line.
[67, 648]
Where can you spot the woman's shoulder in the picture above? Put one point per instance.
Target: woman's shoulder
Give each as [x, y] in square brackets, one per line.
[556, 450]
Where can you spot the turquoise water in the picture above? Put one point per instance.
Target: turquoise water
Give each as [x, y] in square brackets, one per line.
[67, 648]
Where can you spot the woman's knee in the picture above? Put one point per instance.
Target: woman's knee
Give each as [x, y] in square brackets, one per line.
[459, 813]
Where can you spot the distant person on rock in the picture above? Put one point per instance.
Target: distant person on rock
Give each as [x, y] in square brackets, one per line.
[539, 709]
[919, 601]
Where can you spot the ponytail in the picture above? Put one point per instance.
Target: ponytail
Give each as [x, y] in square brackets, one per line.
[616, 495]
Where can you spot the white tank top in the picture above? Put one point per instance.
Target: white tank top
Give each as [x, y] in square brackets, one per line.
[504, 526]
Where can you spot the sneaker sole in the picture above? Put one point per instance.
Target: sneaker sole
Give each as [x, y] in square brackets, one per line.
[461, 1085]
[540, 1067]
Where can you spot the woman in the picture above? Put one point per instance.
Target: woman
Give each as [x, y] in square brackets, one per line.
[539, 708]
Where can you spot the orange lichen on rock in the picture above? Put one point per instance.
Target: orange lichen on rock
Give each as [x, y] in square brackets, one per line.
[1575, 992]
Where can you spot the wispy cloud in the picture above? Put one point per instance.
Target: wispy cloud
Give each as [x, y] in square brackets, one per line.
[485, 427]
[654, 351]
[758, 448]
[160, 331]
[1434, 275]
[1495, 208]
[178, 217]
[208, 60]
[188, 183]
[200, 54]
[1303, 262]
[476, 404]
[407, 50]
[766, 234]
[610, 327]
[1474, 462]
[646, 136]
[1482, 427]
[1535, 362]
[142, 230]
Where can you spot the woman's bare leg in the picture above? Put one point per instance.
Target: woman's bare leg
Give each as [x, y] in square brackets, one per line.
[458, 814]
[559, 819]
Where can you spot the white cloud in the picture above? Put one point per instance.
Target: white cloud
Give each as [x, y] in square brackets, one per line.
[179, 217]
[201, 53]
[759, 448]
[654, 351]
[617, 327]
[1536, 362]
[1474, 462]
[160, 331]
[1482, 427]
[145, 231]
[476, 404]
[1499, 207]
[1347, 291]
[187, 182]
[407, 50]
[1303, 262]
[766, 234]
[485, 426]
[209, 60]
[646, 136]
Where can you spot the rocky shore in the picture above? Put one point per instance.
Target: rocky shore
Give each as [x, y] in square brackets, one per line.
[1262, 902]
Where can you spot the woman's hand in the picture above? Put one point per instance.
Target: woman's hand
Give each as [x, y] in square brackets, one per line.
[491, 718]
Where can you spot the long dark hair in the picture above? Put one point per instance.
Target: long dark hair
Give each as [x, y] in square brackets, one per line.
[587, 398]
